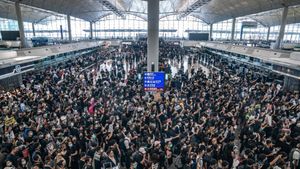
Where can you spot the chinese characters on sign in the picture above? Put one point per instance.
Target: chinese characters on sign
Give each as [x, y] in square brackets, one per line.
[154, 81]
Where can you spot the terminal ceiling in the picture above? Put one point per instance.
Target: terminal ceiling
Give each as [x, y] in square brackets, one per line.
[267, 12]
[30, 14]
[273, 18]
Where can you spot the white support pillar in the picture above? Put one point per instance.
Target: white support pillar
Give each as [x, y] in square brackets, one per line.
[233, 29]
[95, 31]
[282, 27]
[153, 36]
[20, 24]
[91, 30]
[268, 34]
[33, 29]
[69, 27]
[210, 31]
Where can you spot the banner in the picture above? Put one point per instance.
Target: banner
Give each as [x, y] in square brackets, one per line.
[10, 121]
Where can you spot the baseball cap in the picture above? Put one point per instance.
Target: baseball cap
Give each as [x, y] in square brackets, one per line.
[142, 150]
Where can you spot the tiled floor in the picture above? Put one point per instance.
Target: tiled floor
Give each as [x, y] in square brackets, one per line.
[175, 66]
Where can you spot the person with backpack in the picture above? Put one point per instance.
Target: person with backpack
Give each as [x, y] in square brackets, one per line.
[294, 157]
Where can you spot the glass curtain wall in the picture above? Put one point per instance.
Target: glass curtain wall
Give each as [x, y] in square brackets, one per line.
[171, 27]
[258, 33]
[222, 30]
[292, 33]
[49, 27]
[80, 29]
[113, 26]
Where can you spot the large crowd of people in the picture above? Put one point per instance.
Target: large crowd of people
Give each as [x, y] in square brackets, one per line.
[100, 117]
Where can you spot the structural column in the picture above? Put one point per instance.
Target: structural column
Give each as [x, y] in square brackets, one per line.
[20, 24]
[268, 34]
[33, 29]
[210, 31]
[282, 27]
[69, 27]
[97, 31]
[241, 34]
[61, 32]
[153, 36]
[91, 30]
[233, 29]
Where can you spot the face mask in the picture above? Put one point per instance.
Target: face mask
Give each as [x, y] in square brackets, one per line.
[70, 144]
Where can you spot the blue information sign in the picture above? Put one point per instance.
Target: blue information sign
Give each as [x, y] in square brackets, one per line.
[154, 81]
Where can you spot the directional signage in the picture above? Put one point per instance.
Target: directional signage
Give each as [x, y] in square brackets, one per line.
[154, 81]
[247, 24]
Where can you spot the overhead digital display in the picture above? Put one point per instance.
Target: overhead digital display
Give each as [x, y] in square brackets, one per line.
[154, 81]
[199, 36]
[10, 35]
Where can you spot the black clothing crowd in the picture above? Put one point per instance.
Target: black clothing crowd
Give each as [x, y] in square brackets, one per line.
[70, 117]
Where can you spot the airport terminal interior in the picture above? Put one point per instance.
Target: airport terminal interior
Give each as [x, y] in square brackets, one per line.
[149, 84]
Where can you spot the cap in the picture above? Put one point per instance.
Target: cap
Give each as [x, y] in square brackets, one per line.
[142, 150]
